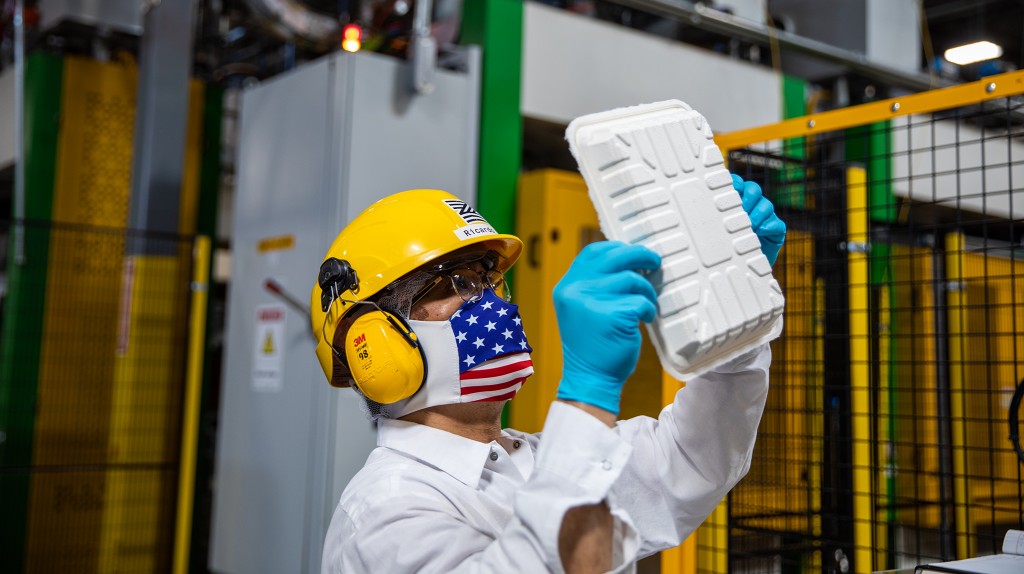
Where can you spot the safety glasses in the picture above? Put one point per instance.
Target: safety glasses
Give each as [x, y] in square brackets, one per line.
[467, 280]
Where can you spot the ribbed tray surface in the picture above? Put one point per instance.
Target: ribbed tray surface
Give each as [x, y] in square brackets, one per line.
[657, 178]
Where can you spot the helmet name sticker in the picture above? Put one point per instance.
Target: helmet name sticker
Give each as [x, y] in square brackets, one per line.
[471, 231]
[465, 211]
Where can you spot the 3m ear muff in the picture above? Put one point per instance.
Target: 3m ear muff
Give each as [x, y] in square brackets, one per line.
[382, 352]
[384, 357]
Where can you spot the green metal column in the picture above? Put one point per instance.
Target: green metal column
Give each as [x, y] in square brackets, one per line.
[165, 63]
[23, 308]
[209, 194]
[497, 26]
[794, 105]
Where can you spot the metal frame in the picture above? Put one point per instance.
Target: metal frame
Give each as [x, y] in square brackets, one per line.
[870, 535]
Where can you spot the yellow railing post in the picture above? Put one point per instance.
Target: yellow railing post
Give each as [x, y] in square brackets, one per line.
[955, 302]
[860, 372]
[683, 558]
[193, 388]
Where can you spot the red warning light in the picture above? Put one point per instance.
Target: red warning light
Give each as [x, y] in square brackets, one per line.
[351, 38]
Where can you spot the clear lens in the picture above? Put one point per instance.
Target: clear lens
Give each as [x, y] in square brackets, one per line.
[470, 284]
[496, 280]
[467, 284]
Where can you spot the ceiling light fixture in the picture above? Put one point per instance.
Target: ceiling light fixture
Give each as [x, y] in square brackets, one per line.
[971, 53]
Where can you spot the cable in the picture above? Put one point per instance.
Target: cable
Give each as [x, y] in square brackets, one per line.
[1015, 420]
[926, 41]
[773, 41]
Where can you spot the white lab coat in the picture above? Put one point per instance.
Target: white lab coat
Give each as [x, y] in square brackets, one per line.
[430, 501]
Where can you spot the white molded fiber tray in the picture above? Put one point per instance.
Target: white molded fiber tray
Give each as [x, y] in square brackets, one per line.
[657, 178]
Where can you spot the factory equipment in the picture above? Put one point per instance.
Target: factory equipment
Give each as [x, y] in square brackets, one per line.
[317, 145]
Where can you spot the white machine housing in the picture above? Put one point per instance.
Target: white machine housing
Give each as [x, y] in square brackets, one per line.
[317, 145]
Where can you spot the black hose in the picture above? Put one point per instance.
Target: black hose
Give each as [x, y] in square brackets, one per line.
[1015, 420]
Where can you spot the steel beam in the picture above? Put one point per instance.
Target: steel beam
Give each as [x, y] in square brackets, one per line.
[702, 17]
[165, 62]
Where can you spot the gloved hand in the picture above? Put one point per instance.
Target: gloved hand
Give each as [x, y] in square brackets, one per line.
[766, 225]
[599, 304]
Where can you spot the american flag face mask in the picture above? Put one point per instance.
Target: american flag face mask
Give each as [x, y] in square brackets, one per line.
[480, 354]
[494, 357]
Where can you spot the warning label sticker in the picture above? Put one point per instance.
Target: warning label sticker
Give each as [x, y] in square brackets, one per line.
[268, 354]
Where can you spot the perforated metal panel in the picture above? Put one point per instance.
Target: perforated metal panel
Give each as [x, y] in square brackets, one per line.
[104, 461]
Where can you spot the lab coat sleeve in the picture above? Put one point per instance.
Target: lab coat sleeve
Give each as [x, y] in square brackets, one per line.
[577, 463]
[685, 461]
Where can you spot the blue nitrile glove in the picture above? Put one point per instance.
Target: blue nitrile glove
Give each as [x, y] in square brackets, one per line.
[766, 225]
[599, 303]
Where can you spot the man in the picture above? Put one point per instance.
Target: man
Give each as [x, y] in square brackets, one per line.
[411, 310]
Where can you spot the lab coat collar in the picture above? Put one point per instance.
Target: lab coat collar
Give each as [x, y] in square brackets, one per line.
[460, 457]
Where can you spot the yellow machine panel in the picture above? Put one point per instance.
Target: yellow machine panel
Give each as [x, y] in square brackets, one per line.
[556, 220]
[110, 365]
[93, 183]
[916, 425]
[789, 442]
[985, 344]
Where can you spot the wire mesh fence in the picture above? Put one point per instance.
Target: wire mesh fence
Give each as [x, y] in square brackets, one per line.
[92, 371]
[886, 442]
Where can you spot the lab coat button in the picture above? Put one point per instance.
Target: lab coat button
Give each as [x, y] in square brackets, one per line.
[494, 455]
[606, 464]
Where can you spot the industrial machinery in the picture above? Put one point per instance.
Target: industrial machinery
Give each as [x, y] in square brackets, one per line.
[316, 146]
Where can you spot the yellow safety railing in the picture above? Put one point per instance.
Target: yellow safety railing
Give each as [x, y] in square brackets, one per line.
[994, 87]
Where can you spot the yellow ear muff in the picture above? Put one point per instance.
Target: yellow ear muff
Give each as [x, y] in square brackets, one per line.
[384, 357]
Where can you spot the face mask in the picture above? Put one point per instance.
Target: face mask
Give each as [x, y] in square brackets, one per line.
[480, 354]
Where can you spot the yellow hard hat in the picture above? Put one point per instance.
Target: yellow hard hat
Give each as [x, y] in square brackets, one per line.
[392, 237]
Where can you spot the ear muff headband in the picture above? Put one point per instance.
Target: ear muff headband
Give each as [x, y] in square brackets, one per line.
[384, 357]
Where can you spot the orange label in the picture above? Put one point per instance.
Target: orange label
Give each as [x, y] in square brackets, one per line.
[278, 243]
